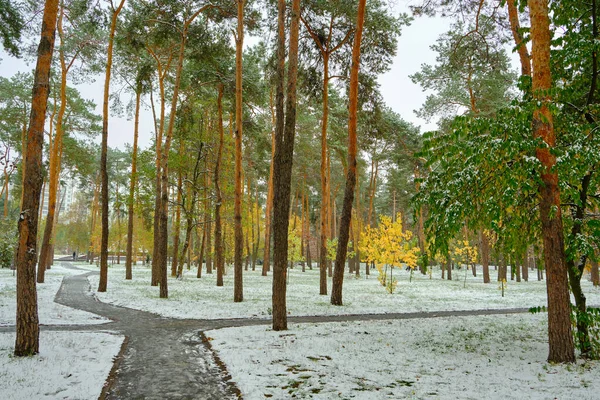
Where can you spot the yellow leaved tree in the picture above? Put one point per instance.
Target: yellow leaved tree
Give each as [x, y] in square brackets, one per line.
[389, 246]
[466, 254]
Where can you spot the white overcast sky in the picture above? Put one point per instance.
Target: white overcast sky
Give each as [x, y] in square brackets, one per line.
[399, 92]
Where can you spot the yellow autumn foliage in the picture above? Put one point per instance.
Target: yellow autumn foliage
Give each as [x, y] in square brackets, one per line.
[388, 244]
[466, 252]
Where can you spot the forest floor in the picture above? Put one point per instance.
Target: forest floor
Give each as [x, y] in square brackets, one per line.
[430, 339]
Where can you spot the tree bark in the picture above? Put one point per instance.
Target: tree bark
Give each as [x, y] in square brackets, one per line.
[257, 244]
[269, 206]
[219, 259]
[177, 226]
[560, 338]
[324, 184]
[55, 146]
[162, 73]
[595, 273]
[103, 167]
[164, 167]
[132, 185]
[284, 152]
[346, 217]
[27, 324]
[207, 223]
[513, 17]
[238, 283]
[485, 256]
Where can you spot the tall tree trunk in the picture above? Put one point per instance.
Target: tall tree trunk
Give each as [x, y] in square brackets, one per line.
[284, 153]
[202, 248]
[340, 260]
[190, 211]
[257, 244]
[103, 167]
[54, 164]
[575, 269]
[177, 226]
[238, 288]
[595, 273]
[485, 255]
[132, 185]
[164, 167]
[207, 222]
[219, 259]
[269, 206]
[27, 324]
[561, 347]
[502, 270]
[93, 217]
[162, 73]
[250, 230]
[324, 184]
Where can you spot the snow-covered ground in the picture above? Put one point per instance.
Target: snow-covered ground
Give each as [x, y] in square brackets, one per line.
[491, 357]
[70, 365]
[49, 312]
[200, 298]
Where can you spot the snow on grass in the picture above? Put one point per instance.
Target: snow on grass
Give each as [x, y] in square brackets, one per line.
[201, 298]
[71, 365]
[491, 357]
[49, 312]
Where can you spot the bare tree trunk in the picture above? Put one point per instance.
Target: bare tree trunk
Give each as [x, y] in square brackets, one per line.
[207, 224]
[27, 325]
[269, 206]
[238, 288]
[132, 185]
[257, 244]
[55, 146]
[515, 28]
[284, 152]
[340, 261]
[177, 227]
[201, 257]
[560, 338]
[485, 256]
[103, 168]
[595, 274]
[220, 263]
[324, 183]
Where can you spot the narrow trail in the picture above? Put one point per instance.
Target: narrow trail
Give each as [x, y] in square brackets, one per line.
[163, 358]
[167, 358]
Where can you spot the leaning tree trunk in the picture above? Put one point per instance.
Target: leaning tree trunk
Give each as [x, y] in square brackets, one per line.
[27, 324]
[284, 154]
[103, 167]
[342, 248]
